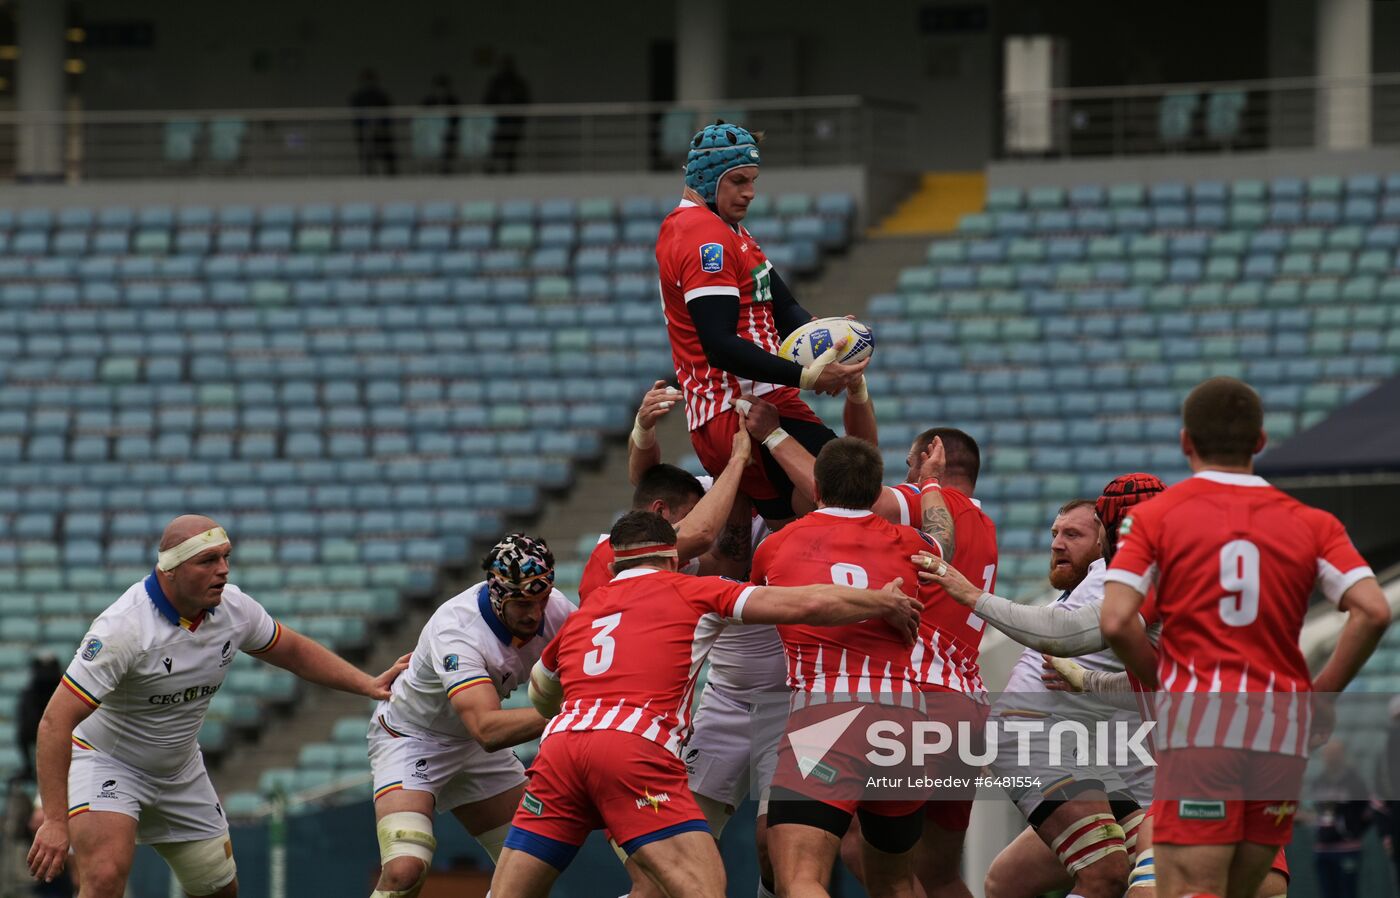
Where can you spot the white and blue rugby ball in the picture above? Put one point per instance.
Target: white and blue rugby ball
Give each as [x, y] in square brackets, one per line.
[815, 337]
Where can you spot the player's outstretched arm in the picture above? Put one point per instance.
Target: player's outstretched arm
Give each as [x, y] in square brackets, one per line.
[830, 605]
[1124, 630]
[1368, 616]
[1045, 628]
[761, 420]
[491, 725]
[317, 664]
[1064, 675]
[54, 748]
[696, 532]
[643, 451]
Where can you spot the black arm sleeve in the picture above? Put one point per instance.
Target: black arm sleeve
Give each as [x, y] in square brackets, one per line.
[787, 314]
[716, 323]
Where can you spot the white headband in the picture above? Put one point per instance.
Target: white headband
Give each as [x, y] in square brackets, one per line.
[171, 558]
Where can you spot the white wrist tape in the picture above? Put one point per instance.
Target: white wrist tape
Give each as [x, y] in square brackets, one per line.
[644, 437]
[171, 558]
[858, 392]
[774, 438]
[813, 372]
[1071, 671]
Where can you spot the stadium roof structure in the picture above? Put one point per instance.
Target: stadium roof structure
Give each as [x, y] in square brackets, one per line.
[1358, 439]
[1349, 464]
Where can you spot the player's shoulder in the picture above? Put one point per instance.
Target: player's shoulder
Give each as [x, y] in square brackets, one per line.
[690, 220]
[462, 613]
[962, 505]
[128, 613]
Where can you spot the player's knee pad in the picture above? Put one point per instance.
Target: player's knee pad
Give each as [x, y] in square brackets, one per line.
[493, 840]
[1088, 840]
[1132, 824]
[406, 834]
[202, 867]
[1144, 873]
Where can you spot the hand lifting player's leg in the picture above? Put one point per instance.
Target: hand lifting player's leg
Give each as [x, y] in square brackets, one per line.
[104, 843]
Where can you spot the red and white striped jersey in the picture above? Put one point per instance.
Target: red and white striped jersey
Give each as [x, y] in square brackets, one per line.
[1234, 562]
[629, 660]
[867, 659]
[975, 555]
[698, 255]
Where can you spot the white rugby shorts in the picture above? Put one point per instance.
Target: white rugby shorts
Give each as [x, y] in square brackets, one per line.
[733, 751]
[456, 774]
[179, 807]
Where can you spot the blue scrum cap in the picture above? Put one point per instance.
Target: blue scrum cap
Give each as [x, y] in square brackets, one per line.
[715, 150]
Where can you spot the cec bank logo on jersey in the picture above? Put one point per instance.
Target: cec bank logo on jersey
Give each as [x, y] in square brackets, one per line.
[711, 257]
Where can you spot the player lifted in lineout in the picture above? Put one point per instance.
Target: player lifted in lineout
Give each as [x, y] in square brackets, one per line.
[439, 742]
[727, 311]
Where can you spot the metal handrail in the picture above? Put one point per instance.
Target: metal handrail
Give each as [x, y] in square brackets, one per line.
[1140, 91]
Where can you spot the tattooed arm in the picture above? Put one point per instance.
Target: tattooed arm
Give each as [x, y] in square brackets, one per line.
[937, 520]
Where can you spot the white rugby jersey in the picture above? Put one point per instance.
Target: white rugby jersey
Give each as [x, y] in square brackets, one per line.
[746, 658]
[1025, 676]
[463, 645]
[150, 673]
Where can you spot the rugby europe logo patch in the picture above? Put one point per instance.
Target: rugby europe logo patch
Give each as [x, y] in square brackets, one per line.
[711, 257]
[91, 648]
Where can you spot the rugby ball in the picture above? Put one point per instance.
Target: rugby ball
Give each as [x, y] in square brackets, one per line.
[815, 337]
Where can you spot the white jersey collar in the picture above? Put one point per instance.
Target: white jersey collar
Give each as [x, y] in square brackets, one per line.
[1231, 479]
[635, 572]
[844, 512]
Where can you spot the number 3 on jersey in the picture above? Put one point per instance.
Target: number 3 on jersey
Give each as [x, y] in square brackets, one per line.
[599, 660]
[1239, 576]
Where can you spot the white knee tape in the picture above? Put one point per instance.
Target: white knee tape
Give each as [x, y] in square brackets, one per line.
[1144, 871]
[1088, 840]
[406, 834]
[202, 867]
[493, 840]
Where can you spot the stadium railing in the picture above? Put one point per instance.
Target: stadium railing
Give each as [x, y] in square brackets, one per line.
[538, 138]
[1202, 117]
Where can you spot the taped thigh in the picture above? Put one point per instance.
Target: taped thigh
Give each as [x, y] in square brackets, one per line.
[1087, 841]
[406, 834]
[202, 867]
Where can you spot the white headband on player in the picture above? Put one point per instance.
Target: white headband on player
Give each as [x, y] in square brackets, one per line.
[171, 558]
